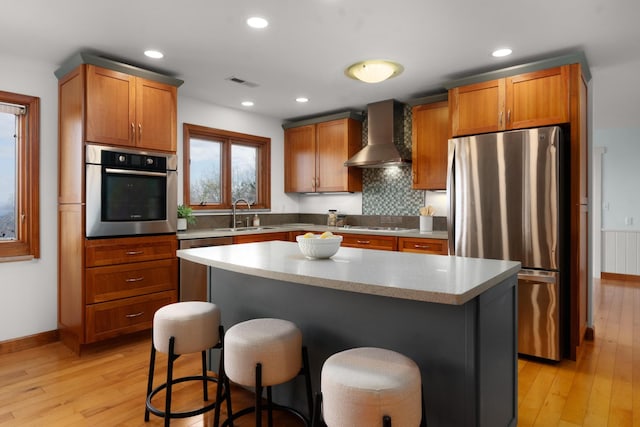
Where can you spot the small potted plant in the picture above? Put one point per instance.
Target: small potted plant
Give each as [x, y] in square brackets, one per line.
[185, 216]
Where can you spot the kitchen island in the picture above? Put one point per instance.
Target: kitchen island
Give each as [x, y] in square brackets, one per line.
[456, 317]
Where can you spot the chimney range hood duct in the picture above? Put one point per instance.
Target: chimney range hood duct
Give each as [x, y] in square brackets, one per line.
[385, 124]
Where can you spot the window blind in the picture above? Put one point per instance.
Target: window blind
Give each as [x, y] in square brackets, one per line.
[18, 110]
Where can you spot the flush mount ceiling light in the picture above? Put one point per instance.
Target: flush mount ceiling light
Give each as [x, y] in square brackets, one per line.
[155, 54]
[257, 22]
[302, 99]
[247, 103]
[373, 71]
[499, 53]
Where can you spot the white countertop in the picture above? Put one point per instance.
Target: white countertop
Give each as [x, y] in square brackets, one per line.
[431, 278]
[213, 232]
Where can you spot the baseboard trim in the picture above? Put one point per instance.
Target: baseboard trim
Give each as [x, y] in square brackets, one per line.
[618, 276]
[31, 341]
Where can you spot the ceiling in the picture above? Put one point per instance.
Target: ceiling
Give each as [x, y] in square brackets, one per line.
[309, 43]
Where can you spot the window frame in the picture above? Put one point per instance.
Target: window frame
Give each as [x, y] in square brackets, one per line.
[27, 243]
[227, 139]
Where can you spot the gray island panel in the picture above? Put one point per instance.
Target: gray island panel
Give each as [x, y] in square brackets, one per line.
[467, 352]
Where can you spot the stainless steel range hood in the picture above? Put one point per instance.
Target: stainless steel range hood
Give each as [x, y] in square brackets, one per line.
[384, 126]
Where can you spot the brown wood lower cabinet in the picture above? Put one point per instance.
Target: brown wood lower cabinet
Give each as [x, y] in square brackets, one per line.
[124, 316]
[263, 237]
[370, 241]
[118, 287]
[425, 246]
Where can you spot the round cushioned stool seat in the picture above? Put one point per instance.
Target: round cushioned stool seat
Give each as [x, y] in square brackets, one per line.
[194, 324]
[362, 385]
[274, 343]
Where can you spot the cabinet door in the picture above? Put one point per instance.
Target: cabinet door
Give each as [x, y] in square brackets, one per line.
[110, 114]
[263, 237]
[477, 108]
[539, 98]
[335, 144]
[430, 134]
[300, 159]
[155, 115]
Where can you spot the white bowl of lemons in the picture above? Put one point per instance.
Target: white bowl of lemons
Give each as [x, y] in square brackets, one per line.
[323, 245]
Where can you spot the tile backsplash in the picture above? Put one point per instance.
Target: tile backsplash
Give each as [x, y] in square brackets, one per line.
[387, 191]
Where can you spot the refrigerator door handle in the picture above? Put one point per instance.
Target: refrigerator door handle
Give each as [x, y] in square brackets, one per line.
[451, 198]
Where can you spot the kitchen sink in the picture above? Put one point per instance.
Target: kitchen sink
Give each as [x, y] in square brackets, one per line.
[244, 229]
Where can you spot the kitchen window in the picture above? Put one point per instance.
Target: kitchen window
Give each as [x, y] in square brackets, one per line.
[222, 166]
[19, 177]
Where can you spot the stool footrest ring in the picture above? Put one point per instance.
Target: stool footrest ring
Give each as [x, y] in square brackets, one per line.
[184, 414]
[274, 407]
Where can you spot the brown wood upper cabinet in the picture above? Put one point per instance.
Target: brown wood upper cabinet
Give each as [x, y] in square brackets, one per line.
[315, 156]
[538, 98]
[130, 111]
[430, 134]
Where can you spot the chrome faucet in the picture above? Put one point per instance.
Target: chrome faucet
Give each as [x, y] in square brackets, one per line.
[234, 210]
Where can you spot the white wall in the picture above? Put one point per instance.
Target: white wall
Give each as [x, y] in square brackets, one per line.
[28, 289]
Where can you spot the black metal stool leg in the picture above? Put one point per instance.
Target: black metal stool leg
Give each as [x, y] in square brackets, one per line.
[152, 365]
[317, 421]
[205, 392]
[386, 421]
[307, 380]
[259, 395]
[167, 406]
[269, 407]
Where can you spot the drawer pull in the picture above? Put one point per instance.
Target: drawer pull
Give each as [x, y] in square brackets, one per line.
[134, 279]
[134, 252]
[132, 315]
[364, 242]
[422, 246]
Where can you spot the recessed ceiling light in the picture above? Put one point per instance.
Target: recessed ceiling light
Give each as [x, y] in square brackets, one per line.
[302, 99]
[247, 103]
[155, 54]
[373, 71]
[499, 53]
[257, 22]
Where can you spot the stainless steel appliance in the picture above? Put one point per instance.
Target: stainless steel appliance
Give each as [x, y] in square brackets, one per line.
[193, 276]
[506, 201]
[129, 192]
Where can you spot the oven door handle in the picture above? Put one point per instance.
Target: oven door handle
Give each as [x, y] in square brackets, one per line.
[134, 172]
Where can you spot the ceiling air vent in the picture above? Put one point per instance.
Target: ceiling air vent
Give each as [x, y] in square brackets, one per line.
[242, 82]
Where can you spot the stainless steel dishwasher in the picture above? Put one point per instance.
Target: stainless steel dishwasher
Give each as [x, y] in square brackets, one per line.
[193, 277]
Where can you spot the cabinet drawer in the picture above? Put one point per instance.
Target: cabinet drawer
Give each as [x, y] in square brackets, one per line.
[262, 237]
[370, 241]
[425, 246]
[129, 280]
[110, 319]
[102, 252]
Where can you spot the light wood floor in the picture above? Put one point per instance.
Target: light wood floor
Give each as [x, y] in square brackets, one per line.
[50, 385]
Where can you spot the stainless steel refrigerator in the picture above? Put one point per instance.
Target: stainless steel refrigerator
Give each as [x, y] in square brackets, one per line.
[505, 198]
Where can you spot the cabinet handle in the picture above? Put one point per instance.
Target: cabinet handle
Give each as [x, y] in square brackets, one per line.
[133, 131]
[134, 252]
[132, 315]
[317, 182]
[140, 131]
[364, 242]
[422, 246]
[509, 116]
[134, 279]
[500, 119]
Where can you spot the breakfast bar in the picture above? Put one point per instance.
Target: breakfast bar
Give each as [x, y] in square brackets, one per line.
[455, 317]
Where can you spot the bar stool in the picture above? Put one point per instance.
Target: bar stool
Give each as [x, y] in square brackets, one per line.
[263, 353]
[369, 386]
[182, 328]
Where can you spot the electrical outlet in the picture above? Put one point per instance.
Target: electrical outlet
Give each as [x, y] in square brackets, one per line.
[628, 220]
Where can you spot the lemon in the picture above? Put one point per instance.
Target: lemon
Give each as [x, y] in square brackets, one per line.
[326, 235]
[308, 236]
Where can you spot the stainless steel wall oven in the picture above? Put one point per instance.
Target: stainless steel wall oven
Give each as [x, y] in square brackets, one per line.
[129, 192]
